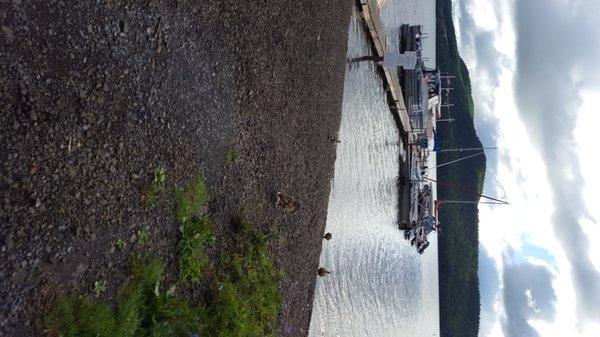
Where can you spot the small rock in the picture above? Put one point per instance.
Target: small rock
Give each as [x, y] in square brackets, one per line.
[112, 250]
[132, 238]
[38, 203]
[8, 32]
[89, 28]
[54, 259]
[71, 171]
[82, 267]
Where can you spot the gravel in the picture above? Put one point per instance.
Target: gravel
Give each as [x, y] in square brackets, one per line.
[95, 96]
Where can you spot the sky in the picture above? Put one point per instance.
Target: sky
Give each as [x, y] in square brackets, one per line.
[534, 66]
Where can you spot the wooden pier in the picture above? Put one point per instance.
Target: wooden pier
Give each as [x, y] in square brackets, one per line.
[372, 16]
[376, 31]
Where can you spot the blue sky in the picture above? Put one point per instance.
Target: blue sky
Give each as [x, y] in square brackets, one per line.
[534, 65]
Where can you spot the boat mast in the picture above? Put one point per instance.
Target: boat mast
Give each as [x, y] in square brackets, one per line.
[468, 149]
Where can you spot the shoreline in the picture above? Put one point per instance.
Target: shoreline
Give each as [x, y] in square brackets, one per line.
[96, 97]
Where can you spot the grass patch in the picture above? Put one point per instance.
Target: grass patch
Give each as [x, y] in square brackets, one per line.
[144, 308]
[248, 299]
[196, 234]
[231, 156]
[190, 200]
[244, 301]
[196, 231]
[151, 192]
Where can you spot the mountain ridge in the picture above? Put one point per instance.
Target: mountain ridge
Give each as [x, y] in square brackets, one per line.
[458, 245]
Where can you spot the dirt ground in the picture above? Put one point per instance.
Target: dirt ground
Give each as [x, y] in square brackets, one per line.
[96, 95]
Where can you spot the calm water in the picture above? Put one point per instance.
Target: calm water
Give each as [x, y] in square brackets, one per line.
[379, 285]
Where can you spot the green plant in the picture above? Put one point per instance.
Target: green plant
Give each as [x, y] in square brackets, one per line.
[196, 234]
[157, 185]
[144, 308]
[143, 238]
[248, 301]
[196, 231]
[167, 122]
[99, 287]
[160, 177]
[244, 303]
[121, 244]
[190, 200]
[231, 155]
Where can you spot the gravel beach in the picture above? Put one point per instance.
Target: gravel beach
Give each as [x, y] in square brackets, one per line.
[97, 95]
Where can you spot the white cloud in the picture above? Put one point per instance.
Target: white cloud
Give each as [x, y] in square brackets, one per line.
[486, 17]
[521, 176]
[586, 134]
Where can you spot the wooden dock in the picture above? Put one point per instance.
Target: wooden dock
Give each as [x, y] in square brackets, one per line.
[376, 31]
[372, 16]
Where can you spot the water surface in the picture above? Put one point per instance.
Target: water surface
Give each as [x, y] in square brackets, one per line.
[379, 285]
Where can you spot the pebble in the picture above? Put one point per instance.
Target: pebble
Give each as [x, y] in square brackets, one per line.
[38, 203]
[82, 267]
[8, 32]
[71, 171]
[132, 238]
[54, 259]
